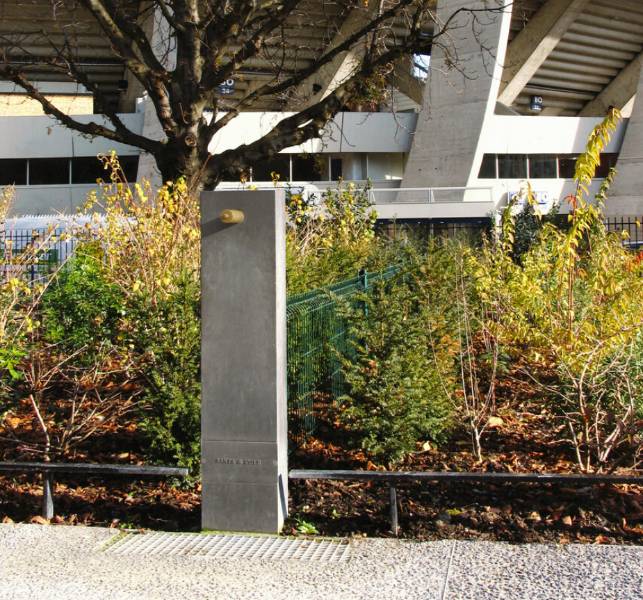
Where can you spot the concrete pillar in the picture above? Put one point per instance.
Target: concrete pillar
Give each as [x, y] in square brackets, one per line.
[149, 22]
[460, 95]
[244, 417]
[159, 33]
[147, 168]
[626, 195]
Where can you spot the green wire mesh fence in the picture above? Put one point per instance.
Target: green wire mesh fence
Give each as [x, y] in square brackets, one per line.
[317, 336]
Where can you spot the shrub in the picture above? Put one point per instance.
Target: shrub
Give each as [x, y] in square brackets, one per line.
[572, 311]
[150, 241]
[396, 394]
[331, 240]
[61, 398]
[528, 226]
[81, 307]
[63, 378]
[168, 336]
[152, 258]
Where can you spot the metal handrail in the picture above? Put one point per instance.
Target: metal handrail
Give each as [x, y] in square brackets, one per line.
[393, 477]
[395, 192]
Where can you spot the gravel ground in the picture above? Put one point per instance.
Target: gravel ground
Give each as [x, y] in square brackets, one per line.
[51, 562]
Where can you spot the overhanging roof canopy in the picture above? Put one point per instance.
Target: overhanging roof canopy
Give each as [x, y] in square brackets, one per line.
[586, 57]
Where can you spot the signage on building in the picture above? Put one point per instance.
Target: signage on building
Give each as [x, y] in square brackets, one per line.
[542, 197]
[536, 104]
[227, 87]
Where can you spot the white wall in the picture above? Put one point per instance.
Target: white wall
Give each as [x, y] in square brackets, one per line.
[49, 199]
[348, 132]
[383, 136]
[556, 190]
[543, 135]
[44, 137]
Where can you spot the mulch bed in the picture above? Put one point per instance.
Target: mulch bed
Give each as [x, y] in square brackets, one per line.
[104, 503]
[524, 512]
[512, 512]
[101, 501]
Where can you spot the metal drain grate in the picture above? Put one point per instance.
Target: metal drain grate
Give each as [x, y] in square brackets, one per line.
[230, 546]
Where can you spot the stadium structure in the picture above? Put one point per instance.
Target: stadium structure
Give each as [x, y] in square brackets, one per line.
[529, 84]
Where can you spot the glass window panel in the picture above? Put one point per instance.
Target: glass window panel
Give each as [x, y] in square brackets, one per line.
[309, 167]
[48, 171]
[488, 167]
[129, 165]
[512, 166]
[280, 164]
[542, 166]
[567, 165]
[336, 169]
[87, 169]
[13, 171]
[608, 161]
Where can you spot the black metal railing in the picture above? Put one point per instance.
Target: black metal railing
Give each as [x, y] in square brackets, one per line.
[630, 229]
[33, 253]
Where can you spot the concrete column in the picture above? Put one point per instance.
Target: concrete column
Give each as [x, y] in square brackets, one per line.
[460, 94]
[149, 22]
[331, 75]
[244, 420]
[626, 195]
[159, 33]
[147, 168]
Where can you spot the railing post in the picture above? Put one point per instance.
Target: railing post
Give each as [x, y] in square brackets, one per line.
[363, 277]
[48, 495]
[393, 500]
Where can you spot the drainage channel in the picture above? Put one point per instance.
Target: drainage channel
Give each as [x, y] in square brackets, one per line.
[230, 547]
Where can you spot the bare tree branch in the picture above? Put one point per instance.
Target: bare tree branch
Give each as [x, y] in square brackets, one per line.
[216, 41]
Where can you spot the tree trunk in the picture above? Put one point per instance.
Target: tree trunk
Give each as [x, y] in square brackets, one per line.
[177, 161]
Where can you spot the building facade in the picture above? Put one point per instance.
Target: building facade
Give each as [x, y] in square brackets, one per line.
[510, 95]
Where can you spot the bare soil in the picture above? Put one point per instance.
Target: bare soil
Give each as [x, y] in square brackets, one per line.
[524, 442]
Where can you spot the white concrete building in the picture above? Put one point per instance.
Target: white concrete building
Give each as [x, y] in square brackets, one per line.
[529, 83]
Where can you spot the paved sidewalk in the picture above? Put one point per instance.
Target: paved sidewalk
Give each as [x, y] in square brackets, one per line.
[51, 562]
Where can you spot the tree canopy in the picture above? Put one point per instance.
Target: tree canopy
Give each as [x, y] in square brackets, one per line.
[313, 58]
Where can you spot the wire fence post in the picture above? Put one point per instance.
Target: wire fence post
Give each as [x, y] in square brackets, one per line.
[319, 337]
[363, 277]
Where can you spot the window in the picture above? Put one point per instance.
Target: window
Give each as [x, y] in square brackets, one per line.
[567, 165]
[13, 171]
[48, 171]
[309, 167]
[488, 167]
[608, 161]
[336, 169]
[279, 164]
[87, 169]
[129, 164]
[512, 166]
[543, 166]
